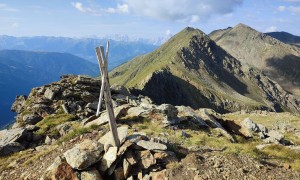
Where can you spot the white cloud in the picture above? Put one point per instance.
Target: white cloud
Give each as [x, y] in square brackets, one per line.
[184, 11]
[271, 29]
[168, 32]
[281, 8]
[121, 8]
[4, 7]
[79, 6]
[190, 11]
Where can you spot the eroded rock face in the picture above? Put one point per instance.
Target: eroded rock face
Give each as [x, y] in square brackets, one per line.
[84, 154]
[19, 103]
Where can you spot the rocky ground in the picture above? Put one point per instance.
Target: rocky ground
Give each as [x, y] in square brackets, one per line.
[58, 136]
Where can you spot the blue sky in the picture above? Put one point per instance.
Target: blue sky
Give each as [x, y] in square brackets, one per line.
[143, 18]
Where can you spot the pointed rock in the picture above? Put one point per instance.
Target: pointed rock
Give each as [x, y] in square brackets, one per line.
[109, 157]
[187, 113]
[126, 167]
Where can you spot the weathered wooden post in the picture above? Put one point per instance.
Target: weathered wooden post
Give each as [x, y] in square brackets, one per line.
[105, 90]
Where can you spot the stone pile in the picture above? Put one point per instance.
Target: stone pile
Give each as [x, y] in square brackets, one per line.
[137, 157]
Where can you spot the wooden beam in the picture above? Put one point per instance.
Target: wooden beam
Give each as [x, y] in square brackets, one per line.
[103, 64]
[102, 81]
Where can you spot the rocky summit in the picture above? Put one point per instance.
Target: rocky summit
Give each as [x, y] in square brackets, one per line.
[192, 109]
[158, 141]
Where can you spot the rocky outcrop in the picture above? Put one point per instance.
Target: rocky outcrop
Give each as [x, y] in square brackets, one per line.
[71, 95]
[130, 159]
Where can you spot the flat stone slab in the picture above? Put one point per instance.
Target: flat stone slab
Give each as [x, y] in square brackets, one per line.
[107, 139]
[151, 145]
[12, 135]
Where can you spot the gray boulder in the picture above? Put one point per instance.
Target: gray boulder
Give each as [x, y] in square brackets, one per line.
[208, 118]
[187, 113]
[49, 94]
[274, 137]
[84, 154]
[117, 89]
[63, 129]
[10, 148]
[170, 113]
[32, 118]
[92, 105]
[12, 135]
[137, 111]
[250, 125]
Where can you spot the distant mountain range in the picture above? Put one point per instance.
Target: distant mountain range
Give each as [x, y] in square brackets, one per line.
[20, 71]
[120, 51]
[285, 37]
[226, 74]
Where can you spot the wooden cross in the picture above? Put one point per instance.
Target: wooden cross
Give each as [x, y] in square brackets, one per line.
[105, 90]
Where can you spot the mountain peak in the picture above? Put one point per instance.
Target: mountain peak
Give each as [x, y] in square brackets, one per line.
[243, 27]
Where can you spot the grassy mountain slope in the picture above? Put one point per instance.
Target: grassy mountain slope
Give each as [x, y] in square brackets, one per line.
[278, 60]
[190, 69]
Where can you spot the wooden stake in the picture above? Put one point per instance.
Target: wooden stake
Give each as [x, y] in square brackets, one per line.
[102, 59]
[102, 81]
